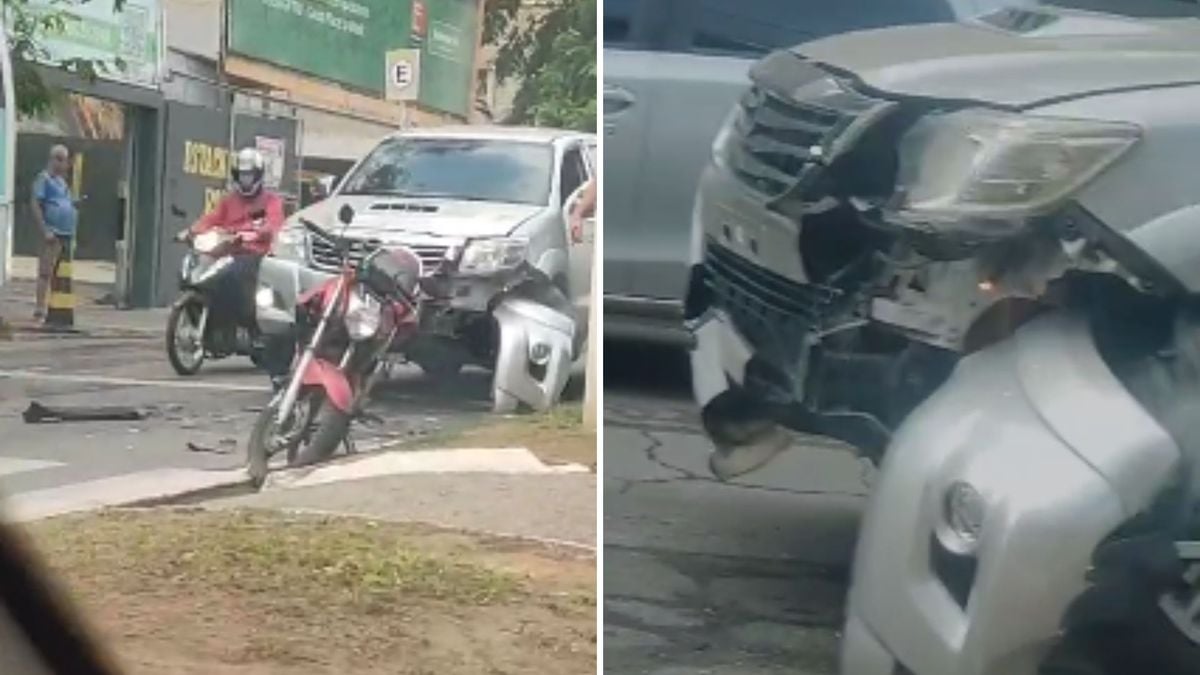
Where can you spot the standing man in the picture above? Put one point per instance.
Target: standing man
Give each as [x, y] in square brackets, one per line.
[56, 215]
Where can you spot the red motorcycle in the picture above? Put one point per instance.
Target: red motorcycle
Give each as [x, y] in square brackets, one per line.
[347, 325]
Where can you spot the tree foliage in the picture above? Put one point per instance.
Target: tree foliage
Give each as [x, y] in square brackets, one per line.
[549, 48]
[29, 22]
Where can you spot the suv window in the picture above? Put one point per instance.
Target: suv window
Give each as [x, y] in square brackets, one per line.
[753, 27]
[573, 174]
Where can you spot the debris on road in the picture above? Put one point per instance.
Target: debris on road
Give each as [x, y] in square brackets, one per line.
[37, 413]
[225, 446]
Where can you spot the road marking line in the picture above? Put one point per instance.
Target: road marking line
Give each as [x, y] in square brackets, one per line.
[11, 465]
[128, 381]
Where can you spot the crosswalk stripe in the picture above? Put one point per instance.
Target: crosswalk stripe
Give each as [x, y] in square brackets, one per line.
[12, 465]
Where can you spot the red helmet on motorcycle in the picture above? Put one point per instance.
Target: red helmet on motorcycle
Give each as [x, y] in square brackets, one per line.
[391, 272]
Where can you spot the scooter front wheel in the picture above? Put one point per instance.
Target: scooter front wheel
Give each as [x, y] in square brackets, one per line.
[185, 346]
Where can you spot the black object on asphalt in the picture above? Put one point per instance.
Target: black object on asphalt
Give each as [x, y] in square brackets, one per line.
[37, 413]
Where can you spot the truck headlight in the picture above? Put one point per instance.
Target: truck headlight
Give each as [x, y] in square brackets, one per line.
[363, 316]
[291, 244]
[727, 136]
[981, 172]
[963, 513]
[492, 255]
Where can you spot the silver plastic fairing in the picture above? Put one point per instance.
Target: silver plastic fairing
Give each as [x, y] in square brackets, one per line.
[287, 280]
[1061, 453]
[536, 351]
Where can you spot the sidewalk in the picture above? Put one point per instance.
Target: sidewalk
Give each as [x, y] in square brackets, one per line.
[548, 508]
[92, 319]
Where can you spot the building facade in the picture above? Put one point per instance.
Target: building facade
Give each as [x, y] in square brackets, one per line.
[314, 84]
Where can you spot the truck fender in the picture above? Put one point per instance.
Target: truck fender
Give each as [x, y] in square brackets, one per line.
[553, 263]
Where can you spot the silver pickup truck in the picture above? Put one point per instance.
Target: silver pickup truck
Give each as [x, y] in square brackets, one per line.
[673, 69]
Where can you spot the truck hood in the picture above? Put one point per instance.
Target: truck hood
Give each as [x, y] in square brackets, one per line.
[394, 217]
[1018, 58]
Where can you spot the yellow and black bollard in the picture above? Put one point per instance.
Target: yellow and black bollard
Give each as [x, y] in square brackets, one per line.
[60, 314]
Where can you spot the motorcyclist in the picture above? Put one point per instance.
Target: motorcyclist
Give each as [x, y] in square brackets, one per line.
[255, 215]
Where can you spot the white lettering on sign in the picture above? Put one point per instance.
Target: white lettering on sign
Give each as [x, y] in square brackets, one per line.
[327, 13]
[445, 41]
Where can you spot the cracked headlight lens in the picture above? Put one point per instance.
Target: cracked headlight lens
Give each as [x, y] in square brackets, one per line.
[981, 172]
[489, 256]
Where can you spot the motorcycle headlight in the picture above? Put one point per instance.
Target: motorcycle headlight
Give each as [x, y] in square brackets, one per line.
[488, 256]
[291, 244]
[981, 172]
[207, 242]
[964, 510]
[363, 316]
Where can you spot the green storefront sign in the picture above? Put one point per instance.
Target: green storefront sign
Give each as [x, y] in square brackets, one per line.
[346, 41]
[126, 42]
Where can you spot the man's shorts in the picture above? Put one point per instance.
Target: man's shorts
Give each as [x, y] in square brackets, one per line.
[51, 249]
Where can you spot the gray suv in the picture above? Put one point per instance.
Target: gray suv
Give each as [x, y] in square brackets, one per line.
[673, 70]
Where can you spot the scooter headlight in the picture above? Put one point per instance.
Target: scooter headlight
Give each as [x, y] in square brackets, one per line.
[964, 510]
[363, 316]
[207, 242]
[264, 298]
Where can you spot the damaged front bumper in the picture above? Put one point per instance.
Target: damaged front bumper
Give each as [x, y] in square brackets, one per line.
[773, 349]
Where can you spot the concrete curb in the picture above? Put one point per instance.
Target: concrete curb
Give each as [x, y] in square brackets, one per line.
[550, 542]
[143, 487]
[174, 486]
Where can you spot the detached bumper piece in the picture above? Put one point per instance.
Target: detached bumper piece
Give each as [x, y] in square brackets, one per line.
[37, 413]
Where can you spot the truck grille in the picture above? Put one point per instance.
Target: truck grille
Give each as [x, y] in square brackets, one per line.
[782, 143]
[325, 255]
[774, 313]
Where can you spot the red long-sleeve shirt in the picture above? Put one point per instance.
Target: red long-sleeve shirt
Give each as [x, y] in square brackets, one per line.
[233, 214]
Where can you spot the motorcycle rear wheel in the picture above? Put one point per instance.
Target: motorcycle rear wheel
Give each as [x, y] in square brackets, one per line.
[189, 310]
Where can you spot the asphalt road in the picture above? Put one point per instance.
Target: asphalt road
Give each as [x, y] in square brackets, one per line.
[193, 423]
[706, 577]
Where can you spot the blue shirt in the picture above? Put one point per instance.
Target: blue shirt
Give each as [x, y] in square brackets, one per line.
[58, 208]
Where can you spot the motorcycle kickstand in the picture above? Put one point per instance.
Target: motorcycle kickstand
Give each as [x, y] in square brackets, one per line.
[350, 445]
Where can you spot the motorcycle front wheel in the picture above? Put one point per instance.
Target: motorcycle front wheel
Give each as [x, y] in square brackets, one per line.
[310, 435]
[185, 346]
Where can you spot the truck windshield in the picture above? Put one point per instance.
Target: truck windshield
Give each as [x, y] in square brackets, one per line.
[453, 168]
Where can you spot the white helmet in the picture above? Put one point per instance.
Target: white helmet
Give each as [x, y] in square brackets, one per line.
[247, 172]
